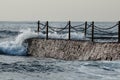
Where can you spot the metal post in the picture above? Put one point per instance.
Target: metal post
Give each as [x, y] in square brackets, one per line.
[38, 26]
[47, 30]
[85, 29]
[93, 31]
[69, 36]
[119, 32]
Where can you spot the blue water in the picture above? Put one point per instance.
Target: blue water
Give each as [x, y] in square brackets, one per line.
[29, 68]
[17, 67]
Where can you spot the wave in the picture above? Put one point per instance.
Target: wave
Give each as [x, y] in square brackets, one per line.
[17, 47]
[9, 32]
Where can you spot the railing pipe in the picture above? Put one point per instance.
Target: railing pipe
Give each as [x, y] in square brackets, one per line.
[38, 26]
[85, 29]
[93, 31]
[69, 36]
[118, 31]
[47, 24]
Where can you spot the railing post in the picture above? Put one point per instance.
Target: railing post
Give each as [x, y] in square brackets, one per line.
[47, 30]
[69, 36]
[119, 32]
[38, 26]
[93, 31]
[85, 29]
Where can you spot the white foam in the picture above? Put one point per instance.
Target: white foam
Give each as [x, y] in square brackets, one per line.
[17, 47]
[77, 36]
[55, 35]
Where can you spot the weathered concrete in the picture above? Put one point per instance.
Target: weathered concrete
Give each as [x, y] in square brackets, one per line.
[73, 50]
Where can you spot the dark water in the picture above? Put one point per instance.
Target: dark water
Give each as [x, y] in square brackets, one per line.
[28, 68]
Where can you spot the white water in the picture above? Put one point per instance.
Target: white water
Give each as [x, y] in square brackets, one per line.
[55, 35]
[17, 47]
[29, 68]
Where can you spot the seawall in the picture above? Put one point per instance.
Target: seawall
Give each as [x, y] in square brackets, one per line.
[73, 50]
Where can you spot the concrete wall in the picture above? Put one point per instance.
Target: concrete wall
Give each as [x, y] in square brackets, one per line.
[73, 50]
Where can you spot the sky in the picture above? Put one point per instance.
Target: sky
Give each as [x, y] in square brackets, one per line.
[59, 10]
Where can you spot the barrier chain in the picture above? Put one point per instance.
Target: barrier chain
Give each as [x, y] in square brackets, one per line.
[79, 28]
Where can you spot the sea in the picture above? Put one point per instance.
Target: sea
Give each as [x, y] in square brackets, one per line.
[16, 65]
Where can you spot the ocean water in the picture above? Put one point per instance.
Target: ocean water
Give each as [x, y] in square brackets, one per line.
[15, 65]
[29, 68]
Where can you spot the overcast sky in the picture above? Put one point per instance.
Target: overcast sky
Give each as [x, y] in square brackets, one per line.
[60, 10]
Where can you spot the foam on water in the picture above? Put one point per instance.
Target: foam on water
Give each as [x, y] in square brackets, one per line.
[17, 47]
[55, 35]
[30, 68]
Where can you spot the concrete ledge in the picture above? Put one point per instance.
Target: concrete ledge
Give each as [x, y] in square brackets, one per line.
[73, 50]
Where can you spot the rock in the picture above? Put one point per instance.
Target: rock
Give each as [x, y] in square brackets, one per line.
[73, 50]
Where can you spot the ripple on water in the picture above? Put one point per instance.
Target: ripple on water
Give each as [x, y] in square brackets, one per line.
[34, 66]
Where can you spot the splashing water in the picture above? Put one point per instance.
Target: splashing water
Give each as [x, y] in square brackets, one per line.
[17, 47]
[55, 35]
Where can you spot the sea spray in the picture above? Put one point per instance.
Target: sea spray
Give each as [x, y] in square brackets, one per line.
[17, 47]
[74, 35]
[55, 35]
